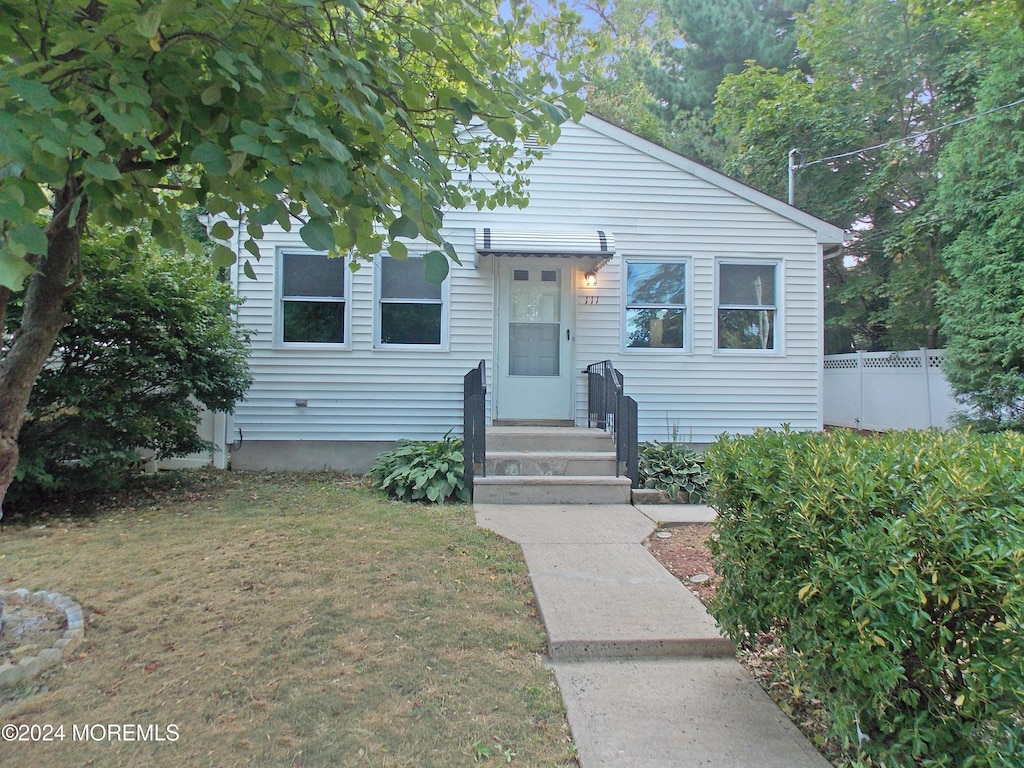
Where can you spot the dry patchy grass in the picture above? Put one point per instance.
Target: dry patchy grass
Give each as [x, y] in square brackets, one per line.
[287, 620]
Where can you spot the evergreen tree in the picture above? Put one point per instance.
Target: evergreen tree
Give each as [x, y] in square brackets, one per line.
[980, 207]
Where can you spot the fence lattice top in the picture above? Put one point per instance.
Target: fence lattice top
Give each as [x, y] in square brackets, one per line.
[885, 360]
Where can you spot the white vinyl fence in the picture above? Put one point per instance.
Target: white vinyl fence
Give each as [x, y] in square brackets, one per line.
[888, 390]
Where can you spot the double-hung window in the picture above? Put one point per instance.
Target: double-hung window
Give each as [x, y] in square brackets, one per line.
[747, 305]
[313, 299]
[656, 304]
[410, 308]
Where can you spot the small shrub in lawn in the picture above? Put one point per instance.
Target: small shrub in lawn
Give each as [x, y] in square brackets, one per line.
[891, 567]
[420, 470]
[674, 469]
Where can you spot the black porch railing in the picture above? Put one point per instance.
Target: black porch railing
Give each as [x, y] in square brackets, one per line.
[474, 414]
[610, 409]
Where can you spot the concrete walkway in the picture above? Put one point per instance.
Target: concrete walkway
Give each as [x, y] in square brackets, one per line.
[647, 679]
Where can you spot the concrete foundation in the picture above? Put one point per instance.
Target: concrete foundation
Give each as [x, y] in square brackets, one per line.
[353, 456]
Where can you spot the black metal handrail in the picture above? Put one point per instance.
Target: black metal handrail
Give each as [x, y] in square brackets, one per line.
[474, 415]
[610, 409]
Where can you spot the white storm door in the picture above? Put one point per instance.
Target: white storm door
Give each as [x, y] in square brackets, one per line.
[534, 330]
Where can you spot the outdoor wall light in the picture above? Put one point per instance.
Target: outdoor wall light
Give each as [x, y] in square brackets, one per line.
[590, 279]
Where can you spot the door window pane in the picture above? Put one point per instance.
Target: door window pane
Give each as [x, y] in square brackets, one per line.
[535, 323]
[533, 349]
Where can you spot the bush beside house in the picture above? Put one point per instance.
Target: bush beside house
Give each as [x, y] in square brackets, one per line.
[151, 341]
[891, 567]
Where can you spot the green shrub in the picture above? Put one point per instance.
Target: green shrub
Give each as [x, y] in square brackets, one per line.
[420, 470]
[151, 339]
[674, 469]
[892, 567]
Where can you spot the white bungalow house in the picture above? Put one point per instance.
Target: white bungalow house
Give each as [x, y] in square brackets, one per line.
[706, 294]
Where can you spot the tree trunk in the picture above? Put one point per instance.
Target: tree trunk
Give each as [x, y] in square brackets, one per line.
[42, 320]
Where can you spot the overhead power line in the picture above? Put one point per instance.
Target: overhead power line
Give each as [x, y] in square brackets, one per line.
[911, 138]
[793, 166]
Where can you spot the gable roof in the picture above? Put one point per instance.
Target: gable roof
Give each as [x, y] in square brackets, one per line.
[827, 234]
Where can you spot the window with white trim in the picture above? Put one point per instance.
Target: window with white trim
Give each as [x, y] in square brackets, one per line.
[313, 306]
[410, 309]
[656, 304]
[747, 305]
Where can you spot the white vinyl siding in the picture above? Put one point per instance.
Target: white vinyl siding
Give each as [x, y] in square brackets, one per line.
[659, 209]
[361, 392]
[592, 180]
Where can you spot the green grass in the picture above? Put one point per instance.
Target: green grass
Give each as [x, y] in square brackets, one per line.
[288, 620]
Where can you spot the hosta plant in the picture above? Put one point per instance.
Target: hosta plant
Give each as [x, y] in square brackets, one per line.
[420, 470]
[675, 469]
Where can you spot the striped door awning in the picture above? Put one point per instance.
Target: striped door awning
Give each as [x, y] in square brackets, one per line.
[507, 242]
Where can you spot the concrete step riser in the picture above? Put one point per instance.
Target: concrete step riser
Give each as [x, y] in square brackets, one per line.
[528, 491]
[557, 464]
[567, 444]
[502, 440]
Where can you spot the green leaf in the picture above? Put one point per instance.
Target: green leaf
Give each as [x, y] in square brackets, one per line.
[398, 250]
[423, 39]
[577, 107]
[212, 158]
[318, 235]
[76, 207]
[30, 237]
[34, 92]
[248, 145]
[248, 270]
[405, 227]
[435, 267]
[222, 231]
[89, 143]
[101, 170]
[13, 270]
[503, 129]
[149, 23]
[463, 111]
[222, 256]
[211, 95]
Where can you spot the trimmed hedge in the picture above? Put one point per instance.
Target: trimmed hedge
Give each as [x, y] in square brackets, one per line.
[892, 567]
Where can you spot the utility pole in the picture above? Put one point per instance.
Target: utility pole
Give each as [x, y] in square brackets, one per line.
[792, 174]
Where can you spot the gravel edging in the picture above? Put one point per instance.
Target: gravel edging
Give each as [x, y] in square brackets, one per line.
[32, 666]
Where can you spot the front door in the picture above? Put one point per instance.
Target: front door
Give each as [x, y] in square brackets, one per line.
[534, 330]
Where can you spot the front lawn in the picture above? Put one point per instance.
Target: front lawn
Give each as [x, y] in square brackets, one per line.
[286, 620]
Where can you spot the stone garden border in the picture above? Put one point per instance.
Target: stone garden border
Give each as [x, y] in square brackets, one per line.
[31, 666]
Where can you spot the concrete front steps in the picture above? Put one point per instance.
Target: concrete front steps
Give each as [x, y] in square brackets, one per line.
[550, 465]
